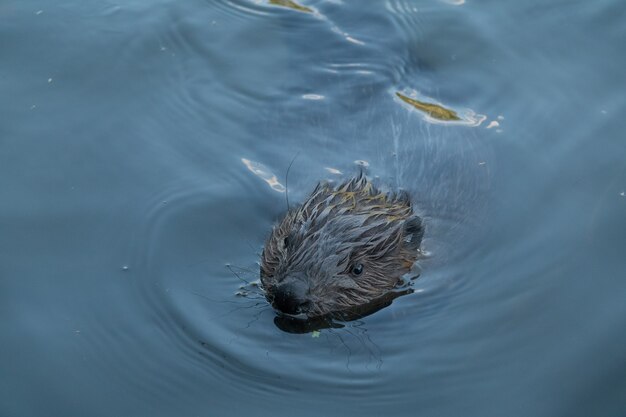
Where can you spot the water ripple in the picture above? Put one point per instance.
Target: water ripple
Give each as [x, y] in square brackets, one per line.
[241, 9]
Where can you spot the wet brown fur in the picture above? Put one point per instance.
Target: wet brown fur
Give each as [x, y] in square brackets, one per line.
[320, 244]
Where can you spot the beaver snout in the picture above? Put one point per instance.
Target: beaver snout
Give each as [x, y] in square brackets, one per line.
[290, 297]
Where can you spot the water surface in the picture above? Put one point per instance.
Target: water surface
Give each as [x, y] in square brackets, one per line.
[143, 152]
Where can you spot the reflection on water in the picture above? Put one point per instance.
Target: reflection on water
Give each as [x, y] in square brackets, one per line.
[263, 172]
[334, 321]
[143, 148]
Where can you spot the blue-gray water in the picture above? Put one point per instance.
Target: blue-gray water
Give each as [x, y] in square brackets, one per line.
[138, 145]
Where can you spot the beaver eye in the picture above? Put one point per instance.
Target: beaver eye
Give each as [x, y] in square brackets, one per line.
[357, 269]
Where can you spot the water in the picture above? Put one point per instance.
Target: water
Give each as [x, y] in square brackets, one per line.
[143, 149]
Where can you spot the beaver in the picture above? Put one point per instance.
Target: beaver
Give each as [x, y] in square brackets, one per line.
[345, 246]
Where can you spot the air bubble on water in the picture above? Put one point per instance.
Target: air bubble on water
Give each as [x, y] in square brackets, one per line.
[125, 268]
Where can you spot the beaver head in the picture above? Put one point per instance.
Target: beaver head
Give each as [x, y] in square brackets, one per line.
[342, 248]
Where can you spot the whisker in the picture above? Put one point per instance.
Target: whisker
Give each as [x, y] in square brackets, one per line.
[243, 268]
[251, 247]
[230, 268]
[287, 179]
[210, 299]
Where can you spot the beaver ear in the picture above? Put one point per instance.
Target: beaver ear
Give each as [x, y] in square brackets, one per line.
[413, 232]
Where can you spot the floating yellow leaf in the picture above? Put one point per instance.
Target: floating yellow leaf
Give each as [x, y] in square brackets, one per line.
[433, 110]
[291, 4]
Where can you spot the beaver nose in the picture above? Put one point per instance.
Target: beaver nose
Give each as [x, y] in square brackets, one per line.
[290, 297]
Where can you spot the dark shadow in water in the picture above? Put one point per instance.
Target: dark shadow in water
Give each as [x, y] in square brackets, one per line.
[291, 324]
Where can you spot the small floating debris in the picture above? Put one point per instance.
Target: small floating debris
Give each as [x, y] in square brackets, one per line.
[291, 5]
[315, 333]
[125, 268]
[49, 80]
[493, 124]
[38, 12]
[436, 113]
[623, 193]
[433, 110]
